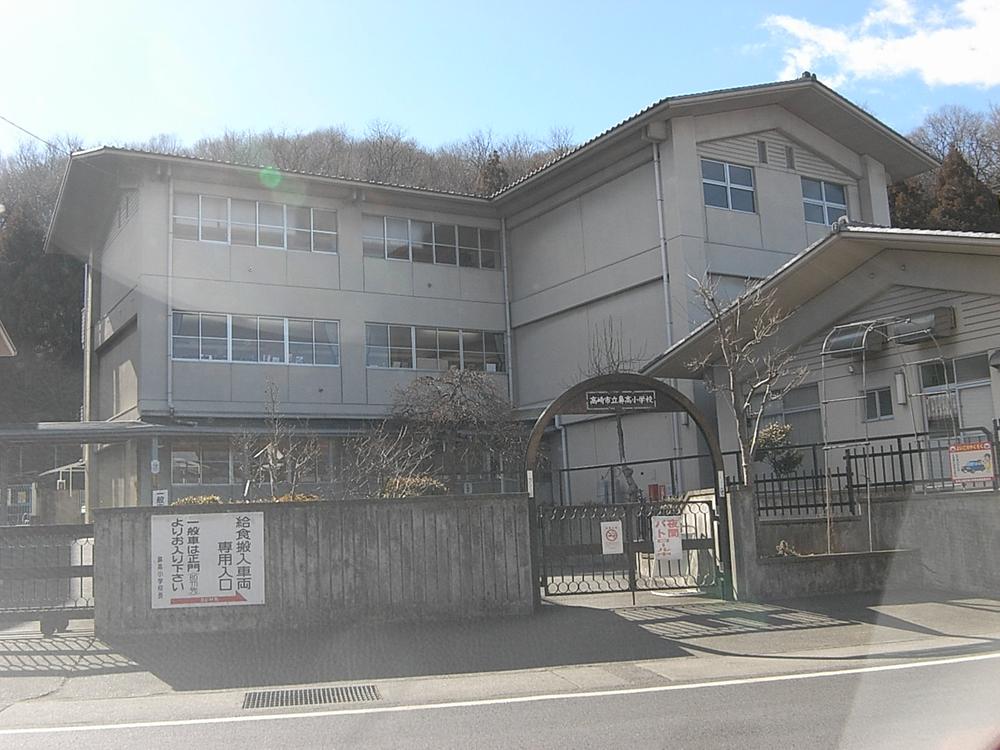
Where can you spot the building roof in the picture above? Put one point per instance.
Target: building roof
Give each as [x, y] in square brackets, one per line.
[7, 348]
[816, 269]
[92, 174]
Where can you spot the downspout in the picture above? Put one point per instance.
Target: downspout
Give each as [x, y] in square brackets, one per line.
[668, 316]
[508, 333]
[170, 291]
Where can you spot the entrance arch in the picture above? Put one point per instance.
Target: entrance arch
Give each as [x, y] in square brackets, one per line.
[632, 393]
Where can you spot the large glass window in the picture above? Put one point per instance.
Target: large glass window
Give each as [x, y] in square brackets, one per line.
[728, 185]
[430, 242]
[823, 202]
[199, 462]
[247, 222]
[251, 338]
[422, 348]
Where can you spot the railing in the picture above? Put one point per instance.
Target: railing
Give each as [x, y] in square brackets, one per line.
[655, 479]
[875, 467]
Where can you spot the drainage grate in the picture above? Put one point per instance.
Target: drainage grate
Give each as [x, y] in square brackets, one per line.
[311, 696]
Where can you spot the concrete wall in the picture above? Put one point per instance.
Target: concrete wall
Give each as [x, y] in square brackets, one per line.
[442, 557]
[765, 578]
[957, 534]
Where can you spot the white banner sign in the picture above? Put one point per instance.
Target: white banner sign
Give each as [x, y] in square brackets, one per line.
[971, 462]
[611, 538]
[667, 538]
[207, 559]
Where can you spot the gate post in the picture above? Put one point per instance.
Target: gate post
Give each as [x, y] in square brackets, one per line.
[724, 563]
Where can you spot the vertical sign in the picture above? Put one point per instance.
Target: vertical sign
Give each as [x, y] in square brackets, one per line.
[667, 538]
[971, 462]
[611, 538]
[207, 559]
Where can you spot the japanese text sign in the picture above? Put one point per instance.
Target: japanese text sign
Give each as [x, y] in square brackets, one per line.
[207, 559]
[621, 400]
[667, 538]
[971, 462]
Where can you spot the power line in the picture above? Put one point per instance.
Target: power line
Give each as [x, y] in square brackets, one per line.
[35, 136]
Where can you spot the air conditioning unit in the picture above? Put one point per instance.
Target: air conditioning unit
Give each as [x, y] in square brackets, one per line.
[925, 326]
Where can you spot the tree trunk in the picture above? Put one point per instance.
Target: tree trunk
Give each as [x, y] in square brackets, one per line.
[634, 493]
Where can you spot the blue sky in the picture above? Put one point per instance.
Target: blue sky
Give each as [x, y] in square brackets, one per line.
[116, 71]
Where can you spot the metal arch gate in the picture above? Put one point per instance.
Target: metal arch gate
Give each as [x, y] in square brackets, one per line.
[572, 559]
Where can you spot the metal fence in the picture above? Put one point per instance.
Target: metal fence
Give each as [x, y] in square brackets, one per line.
[573, 562]
[878, 467]
[47, 572]
[655, 479]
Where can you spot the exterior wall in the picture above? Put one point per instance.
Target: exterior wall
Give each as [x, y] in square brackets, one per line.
[957, 535]
[421, 558]
[346, 286]
[117, 381]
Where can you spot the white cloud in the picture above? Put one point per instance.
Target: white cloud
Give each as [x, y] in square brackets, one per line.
[945, 47]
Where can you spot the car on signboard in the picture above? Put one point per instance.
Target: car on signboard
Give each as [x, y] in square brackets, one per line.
[974, 466]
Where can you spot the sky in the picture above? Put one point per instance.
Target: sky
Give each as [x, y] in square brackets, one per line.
[120, 71]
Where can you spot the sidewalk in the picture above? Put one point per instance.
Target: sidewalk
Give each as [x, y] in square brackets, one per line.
[572, 644]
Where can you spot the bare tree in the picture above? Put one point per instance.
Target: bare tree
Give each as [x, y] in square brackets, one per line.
[462, 414]
[283, 454]
[754, 372]
[383, 457]
[611, 354]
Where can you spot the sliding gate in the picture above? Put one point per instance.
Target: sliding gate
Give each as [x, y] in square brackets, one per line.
[576, 558]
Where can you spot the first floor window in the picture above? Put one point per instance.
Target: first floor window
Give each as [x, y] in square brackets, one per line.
[255, 338]
[878, 404]
[200, 462]
[416, 347]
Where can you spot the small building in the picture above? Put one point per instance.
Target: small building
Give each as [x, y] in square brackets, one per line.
[899, 331]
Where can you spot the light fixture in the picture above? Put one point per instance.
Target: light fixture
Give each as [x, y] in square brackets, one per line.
[900, 382]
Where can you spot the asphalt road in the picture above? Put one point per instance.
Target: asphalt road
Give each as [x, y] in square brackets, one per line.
[949, 706]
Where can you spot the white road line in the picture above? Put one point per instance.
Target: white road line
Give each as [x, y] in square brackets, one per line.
[506, 701]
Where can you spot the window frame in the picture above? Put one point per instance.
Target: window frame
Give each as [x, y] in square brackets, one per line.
[880, 415]
[457, 247]
[728, 185]
[286, 342]
[501, 356]
[313, 231]
[823, 202]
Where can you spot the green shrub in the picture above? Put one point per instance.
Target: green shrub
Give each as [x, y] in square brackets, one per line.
[199, 500]
[418, 486]
[774, 446]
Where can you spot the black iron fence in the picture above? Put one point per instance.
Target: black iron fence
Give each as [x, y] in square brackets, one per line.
[877, 467]
[645, 480]
[574, 559]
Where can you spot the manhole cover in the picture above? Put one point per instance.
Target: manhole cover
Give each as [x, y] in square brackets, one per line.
[311, 696]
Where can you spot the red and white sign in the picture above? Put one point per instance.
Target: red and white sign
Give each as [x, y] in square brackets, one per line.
[667, 537]
[611, 538]
[971, 462]
[207, 559]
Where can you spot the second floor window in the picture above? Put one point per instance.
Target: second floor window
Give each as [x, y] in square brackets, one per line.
[415, 347]
[253, 338]
[823, 202]
[727, 186]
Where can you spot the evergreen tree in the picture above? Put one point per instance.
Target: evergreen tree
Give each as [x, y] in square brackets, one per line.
[910, 204]
[962, 202]
[493, 176]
